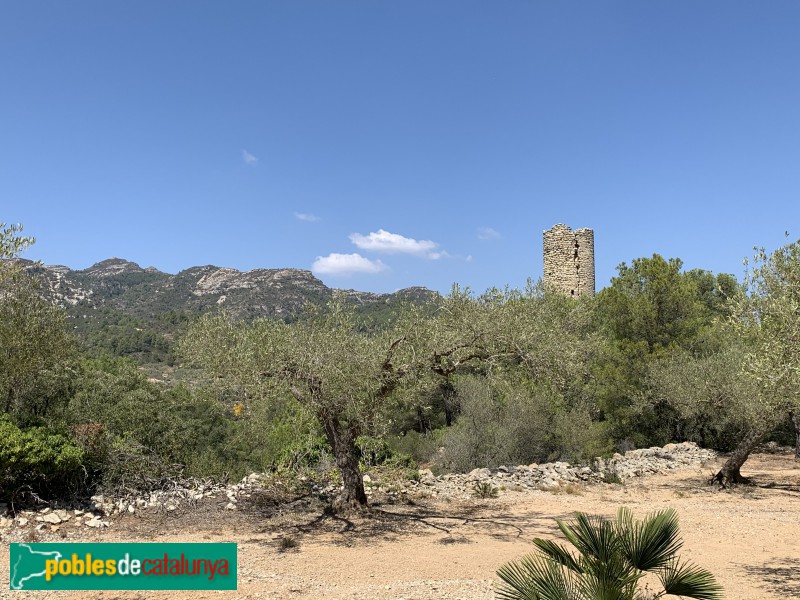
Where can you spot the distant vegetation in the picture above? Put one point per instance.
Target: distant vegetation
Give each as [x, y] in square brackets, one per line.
[339, 381]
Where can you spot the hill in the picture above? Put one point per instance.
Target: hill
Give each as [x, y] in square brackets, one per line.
[119, 307]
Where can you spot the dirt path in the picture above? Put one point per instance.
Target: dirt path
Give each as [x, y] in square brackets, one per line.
[749, 538]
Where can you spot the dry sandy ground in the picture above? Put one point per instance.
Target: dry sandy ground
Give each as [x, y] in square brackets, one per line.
[749, 538]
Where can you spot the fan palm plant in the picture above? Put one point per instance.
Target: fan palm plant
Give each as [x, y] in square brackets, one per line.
[612, 557]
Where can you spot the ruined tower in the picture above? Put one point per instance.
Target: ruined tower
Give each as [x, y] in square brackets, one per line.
[569, 260]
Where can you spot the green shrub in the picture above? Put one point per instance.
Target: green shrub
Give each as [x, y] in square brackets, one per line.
[38, 460]
[484, 490]
[420, 447]
[611, 477]
[518, 423]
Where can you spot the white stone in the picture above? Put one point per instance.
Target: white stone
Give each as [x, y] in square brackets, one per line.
[51, 518]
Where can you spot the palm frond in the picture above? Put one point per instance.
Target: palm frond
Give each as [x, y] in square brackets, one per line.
[593, 536]
[535, 578]
[651, 543]
[612, 558]
[691, 581]
[613, 579]
[558, 553]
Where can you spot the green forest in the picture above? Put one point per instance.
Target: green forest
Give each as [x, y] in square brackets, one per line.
[450, 382]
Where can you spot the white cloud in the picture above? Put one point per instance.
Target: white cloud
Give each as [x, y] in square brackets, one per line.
[306, 217]
[393, 243]
[248, 158]
[487, 233]
[346, 264]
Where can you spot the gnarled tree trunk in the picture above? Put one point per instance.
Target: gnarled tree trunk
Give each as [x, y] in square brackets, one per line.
[730, 473]
[796, 421]
[343, 442]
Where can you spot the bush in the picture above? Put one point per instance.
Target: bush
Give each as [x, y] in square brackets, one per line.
[504, 423]
[484, 490]
[38, 460]
[421, 447]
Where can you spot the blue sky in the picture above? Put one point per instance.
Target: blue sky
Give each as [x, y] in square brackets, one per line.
[390, 144]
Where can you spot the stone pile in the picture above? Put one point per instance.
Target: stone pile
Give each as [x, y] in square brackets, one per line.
[649, 461]
[552, 476]
[101, 509]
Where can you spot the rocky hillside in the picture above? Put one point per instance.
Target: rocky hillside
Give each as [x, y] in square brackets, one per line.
[126, 309]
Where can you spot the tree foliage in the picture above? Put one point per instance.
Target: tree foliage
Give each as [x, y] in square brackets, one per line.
[343, 377]
[11, 245]
[37, 353]
[652, 310]
[767, 317]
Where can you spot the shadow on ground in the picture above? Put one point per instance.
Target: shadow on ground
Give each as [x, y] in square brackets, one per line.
[782, 576]
[458, 523]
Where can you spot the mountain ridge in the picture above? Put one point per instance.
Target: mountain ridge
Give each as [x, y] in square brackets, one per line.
[125, 309]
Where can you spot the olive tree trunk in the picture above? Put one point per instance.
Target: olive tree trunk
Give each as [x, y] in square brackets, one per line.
[343, 443]
[730, 473]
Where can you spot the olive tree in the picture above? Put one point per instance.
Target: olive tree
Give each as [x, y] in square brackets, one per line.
[349, 379]
[345, 378]
[714, 401]
[36, 351]
[546, 334]
[767, 318]
[11, 245]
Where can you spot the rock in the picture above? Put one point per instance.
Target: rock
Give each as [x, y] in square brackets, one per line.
[479, 474]
[367, 479]
[22, 521]
[230, 506]
[51, 518]
[427, 477]
[95, 522]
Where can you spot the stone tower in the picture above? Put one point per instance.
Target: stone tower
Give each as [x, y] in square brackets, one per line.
[569, 260]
